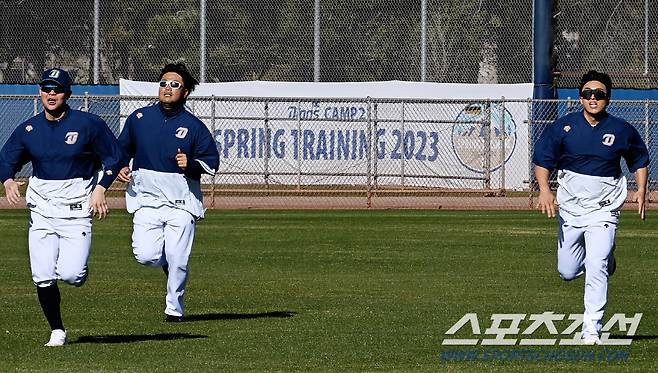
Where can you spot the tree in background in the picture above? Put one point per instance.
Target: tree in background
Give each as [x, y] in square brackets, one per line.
[137, 40]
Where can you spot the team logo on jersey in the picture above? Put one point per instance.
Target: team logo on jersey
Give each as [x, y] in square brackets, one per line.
[29, 128]
[608, 139]
[181, 132]
[139, 115]
[71, 138]
[567, 128]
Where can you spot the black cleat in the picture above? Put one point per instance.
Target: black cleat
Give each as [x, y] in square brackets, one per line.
[172, 318]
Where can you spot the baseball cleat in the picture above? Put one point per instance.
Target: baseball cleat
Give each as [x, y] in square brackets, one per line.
[172, 318]
[591, 340]
[57, 338]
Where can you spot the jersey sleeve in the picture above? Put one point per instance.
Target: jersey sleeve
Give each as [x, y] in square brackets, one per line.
[548, 148]
[636, 155]
[13, 156]
[205, 159]
[110, 152]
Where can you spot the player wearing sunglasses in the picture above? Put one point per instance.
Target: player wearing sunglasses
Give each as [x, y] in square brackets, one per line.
[586, 148]
[170, 150]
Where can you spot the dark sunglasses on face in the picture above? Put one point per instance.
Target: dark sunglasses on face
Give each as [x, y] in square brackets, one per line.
[50, 88]
[174, 84]
[599, 94]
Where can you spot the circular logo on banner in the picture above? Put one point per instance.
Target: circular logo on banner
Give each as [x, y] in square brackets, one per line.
[473, 139]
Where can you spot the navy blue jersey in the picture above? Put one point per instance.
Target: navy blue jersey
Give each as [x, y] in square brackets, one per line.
[75, 146]
[571, 143]
[152, 138]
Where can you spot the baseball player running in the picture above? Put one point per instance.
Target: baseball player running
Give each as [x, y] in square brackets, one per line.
[170, 150]
[586, 148]
[67, 187]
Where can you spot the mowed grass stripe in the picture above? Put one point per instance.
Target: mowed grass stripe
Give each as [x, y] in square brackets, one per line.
[316, 291]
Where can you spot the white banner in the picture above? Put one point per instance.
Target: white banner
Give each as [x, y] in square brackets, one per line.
[326, 136]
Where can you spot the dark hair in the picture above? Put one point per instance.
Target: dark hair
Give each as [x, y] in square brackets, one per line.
[599, 77]
[179, 68]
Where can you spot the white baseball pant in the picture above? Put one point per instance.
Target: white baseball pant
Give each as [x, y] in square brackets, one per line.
[587, 250]
[59, 249]
[164, 236]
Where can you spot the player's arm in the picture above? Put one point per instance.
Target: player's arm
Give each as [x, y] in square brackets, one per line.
[641, 177]
[205, 158]
[13, 157]
[546, 199]
[546, 154]
[637, 160]
[113, 157]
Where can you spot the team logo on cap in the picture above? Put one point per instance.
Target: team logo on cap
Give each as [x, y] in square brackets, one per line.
[139, 115]
[29, 128]
[567, 128]
[108, 172]
[71, 138]
[181, 132]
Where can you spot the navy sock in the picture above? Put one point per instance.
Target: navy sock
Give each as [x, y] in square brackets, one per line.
[50, 299]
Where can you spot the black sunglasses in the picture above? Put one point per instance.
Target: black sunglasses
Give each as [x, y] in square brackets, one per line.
[49, 88]
[599, 94]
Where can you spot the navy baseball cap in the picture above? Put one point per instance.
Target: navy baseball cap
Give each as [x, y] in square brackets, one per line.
[57, 76]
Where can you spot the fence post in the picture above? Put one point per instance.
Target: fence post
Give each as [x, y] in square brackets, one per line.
[375, 141]
[35, 108]
[403, 148]
[266, 163]
[202, 42]
[213, 126]
[647, 121]
[487, 146]
[369, 169]
[85, 106]
[531, 132]
[299, 146]
[503, 138]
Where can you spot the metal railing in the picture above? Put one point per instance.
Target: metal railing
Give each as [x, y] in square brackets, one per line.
[364, 152]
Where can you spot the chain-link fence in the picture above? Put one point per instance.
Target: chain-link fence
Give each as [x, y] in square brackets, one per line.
[467, 41]
[358, 153]
[615, 36]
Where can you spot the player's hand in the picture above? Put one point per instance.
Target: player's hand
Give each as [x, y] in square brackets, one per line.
[546, 203]
[124, 175]
[12, 192]
[98, 204]
[640, 197]
[181, 159]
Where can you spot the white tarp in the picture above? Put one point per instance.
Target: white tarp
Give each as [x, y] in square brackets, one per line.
[429, 144]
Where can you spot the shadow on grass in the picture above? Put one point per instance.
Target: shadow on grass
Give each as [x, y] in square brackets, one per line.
[239, 316]
[633, 337]
[128, 338]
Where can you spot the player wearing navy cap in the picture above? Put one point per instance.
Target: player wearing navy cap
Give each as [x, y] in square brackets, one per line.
[586, 148]
[170, 150]
[75, 157]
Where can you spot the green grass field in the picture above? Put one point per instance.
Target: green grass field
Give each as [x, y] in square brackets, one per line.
[322, 291]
